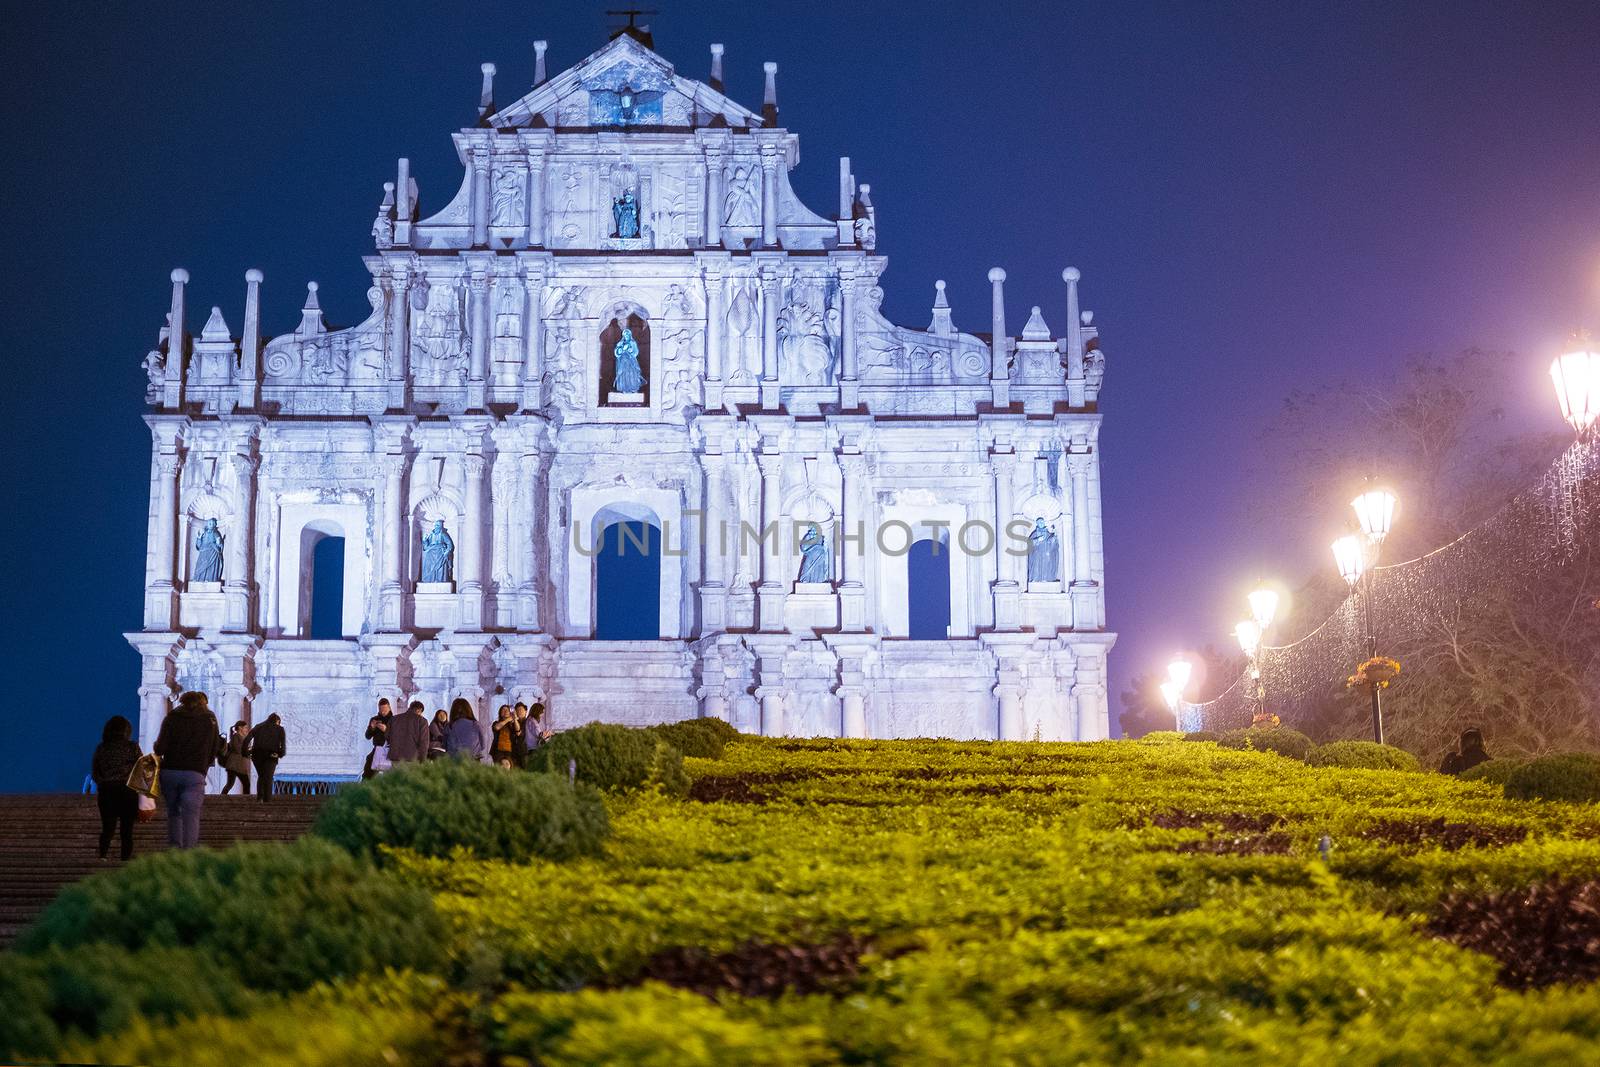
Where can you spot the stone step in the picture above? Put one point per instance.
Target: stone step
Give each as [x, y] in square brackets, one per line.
[48, 841]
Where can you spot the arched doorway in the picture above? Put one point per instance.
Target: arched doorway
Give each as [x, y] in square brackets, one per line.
[928, 590]
[627, 572]
[322, 567]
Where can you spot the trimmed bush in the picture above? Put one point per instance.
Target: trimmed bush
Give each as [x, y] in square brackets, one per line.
[1493, 772]
[1368, 755]
[1285, 742]
[89, 990]
[614, 757]
[436, 807]
[1573, 776]
[281, 917]
[703, 738]
[1202, 735]
[1164, 737]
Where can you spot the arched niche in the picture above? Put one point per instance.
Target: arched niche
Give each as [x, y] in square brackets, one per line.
[203, 507]
[637, 320]
[441, 505]
[890, 562]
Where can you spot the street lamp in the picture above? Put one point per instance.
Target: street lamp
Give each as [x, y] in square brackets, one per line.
[1576, 375]
[1357, 559]
[1252, 636]
[1178, 674]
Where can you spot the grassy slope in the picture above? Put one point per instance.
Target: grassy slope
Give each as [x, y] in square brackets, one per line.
[1022, 908]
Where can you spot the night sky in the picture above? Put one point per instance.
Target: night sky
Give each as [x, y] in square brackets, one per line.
[1260, 197]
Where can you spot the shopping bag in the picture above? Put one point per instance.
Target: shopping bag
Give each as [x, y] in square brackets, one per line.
[147, 808]
[380, 758]
[145, 778]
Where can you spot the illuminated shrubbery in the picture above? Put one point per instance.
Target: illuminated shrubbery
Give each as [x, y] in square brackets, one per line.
[1363, 754]
[1572, 776]
[614, 758]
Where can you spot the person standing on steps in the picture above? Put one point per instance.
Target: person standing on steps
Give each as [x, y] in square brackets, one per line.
[113, 762]
[463, 739]
[408, 735]
[438, 734]
[234, 760]
[504, 750]
[266, 745]
[187, 745]
[378, 734]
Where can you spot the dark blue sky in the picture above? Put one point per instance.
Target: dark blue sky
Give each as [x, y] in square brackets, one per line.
[1260, 196]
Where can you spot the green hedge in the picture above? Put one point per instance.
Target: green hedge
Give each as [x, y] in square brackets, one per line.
[1363, 754]
[436, 807]
[1285, 742]
[1202, 735]
[281, 917]
[63, 994]
[614, 758]
[703, 738]
[1493, 772]
[1573, 776]
[1163, 737]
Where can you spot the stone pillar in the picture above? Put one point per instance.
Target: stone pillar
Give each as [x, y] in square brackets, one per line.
[1078, 464]
[714, 196]
[391, 594]
[769, 195]
[403, 207]
[160, 601]
[479, 158]
[535, 238]
[478, 376]
[1011, 726]
[154, 701]
[237, 577]
[470, 549]
[852, 711]
[716, 317]
[1006, 588]
[849, 375]
[999, 369]
[532, 335]
[852, 551]
[769, 336]
[173, 396]
[527, 547]
[770, 594]
[250, 342]
[398, 286]
[714, 586]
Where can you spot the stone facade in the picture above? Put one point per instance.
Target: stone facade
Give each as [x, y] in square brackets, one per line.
[479, 393]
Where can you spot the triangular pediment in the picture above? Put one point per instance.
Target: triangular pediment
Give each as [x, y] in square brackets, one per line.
[623, 84]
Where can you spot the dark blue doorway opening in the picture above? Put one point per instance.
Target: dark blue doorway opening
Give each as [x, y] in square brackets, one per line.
[627, 570]
[928, 589]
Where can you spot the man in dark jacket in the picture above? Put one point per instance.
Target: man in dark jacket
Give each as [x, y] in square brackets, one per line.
[1469, 755]
[187, 746]
[408, 735]
[265, 746]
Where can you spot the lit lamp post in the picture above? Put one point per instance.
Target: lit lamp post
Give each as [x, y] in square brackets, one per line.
[1178, 674]
[1252, 637]
[1357, 559]
[1576, 375]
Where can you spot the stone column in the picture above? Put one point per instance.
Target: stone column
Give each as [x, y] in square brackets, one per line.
[535, 220]
[478, 377]
[714, 196]
[1010, 725]
[852, 711]
[527, 549]
[237, 578]
[173, 397]
[999, 369]
[852, 552]
[398, 286]
[250, 342]
[1078, 464]
[154, 701]
[849, 373]
[770, 594]
[769, 335]
[470, 549]
[716, 316]
[479, 158]
[160, 599]
[714, 586]
[771, 697]
[391, 593]
[532, 335]
[1005, 586]
[769, 195]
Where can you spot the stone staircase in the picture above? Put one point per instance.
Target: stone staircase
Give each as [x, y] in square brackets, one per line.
[50, 840]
